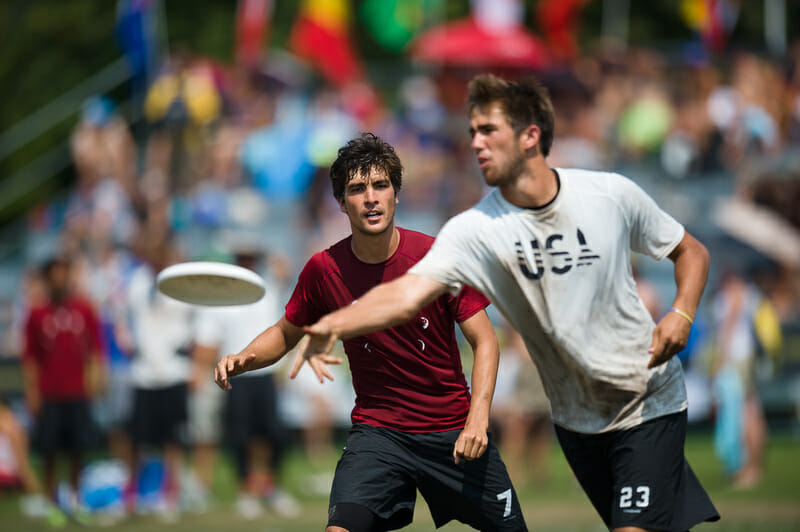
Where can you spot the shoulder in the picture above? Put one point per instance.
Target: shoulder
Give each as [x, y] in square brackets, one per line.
[323, 262]
[607, 186]
[592, 180]
[414, 243]
[82, 304]
[36, 312]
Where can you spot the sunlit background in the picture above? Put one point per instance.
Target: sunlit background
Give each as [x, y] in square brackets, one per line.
[208, 126]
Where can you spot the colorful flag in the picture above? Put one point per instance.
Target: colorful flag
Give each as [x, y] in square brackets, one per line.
[252, 26]
[321, 35]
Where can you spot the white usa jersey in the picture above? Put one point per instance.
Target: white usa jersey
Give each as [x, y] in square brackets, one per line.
[561, 275]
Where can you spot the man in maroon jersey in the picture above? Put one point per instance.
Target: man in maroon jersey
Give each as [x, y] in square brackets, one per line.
[62, 365]
[415, 423]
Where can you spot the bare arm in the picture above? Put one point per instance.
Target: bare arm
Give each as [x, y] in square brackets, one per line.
[473, 440]
[691, 273]
[30, 376]
[384, 306]
[266, 349]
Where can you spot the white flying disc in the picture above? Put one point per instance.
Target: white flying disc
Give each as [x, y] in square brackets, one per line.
[210, 283]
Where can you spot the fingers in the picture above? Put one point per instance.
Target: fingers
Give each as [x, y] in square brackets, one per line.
[299, 359]
[320, 370]
[221, 374]
[469, 447]
[230, 366]
[315, 348]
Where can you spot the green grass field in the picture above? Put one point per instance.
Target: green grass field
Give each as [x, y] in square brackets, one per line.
[558, 506]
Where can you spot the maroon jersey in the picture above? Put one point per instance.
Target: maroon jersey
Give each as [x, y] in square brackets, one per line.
[59, 339]
[408, 377]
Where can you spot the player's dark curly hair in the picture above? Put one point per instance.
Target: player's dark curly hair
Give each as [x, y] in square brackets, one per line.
[359, 156]
[524, 102]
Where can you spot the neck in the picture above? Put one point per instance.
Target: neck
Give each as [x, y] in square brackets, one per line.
[375, 248]
[535, 187]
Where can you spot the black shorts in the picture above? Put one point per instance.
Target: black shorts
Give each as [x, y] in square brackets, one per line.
[251, 411]
[159, 415]
[64, 426]
[381, 469]
[639, 476]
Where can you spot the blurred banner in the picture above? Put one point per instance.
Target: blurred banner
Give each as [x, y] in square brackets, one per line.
[759, 228]
[253, 18]
[321, 36]
[559, 20]
[137, 34]
[393, 23]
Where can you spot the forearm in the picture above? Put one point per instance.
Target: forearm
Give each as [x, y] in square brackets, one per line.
[30, 376]
[385, 305]
[691, 273]
[484, 375]
[270, 346]
[480, 334]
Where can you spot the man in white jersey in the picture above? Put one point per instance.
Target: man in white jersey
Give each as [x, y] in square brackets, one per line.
[551, 249]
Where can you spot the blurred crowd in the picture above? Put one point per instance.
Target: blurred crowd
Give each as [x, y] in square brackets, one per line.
[227, 163]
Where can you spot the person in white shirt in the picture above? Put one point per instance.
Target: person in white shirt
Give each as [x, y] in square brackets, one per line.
[161, 330]
[249, 414]
[550, 247]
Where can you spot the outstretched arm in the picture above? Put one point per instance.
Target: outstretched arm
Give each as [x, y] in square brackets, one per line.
[385, 305]
[691, 273]
[473, 440]
[266, 349]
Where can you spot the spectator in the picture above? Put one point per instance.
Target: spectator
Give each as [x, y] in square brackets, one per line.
[62, 365]
[162, 334]
[741, 430]
[257, 434]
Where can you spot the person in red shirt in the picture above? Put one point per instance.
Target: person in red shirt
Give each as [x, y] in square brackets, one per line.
[415, 423]
[62, 364]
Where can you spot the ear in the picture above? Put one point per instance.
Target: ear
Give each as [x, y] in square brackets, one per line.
[342, 207]
[529, 138]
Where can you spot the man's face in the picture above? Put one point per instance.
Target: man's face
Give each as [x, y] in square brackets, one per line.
[58, 280]
[496, 145]
[369, 202]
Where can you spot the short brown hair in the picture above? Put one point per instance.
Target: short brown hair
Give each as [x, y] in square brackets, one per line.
[524, 102]
[359, 156]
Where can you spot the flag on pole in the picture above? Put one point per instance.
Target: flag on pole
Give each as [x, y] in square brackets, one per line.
[321, 35]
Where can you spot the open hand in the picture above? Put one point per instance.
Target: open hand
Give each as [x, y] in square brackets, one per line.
[232, 365]
[315, 349]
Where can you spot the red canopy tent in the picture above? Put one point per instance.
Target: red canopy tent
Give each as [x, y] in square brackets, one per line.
[465, 43]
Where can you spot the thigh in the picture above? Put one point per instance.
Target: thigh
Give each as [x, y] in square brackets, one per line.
[76, 426]
[146, 418]
[240, 411]
[588, 457]
[373, 472]
[205, 413]
[174, 402]
[654, 486]
[48, 428]
[477, 492]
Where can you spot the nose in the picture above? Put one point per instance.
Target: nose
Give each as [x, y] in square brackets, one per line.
[477, 141]
[369, 194]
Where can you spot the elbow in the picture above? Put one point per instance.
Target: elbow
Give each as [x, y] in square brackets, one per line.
[704, 257]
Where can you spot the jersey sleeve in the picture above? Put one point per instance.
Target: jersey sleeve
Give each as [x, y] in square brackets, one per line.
[467, 303]
[448, 258]
[653, 231]
[303, 307]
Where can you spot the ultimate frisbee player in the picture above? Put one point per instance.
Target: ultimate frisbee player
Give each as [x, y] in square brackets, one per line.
[415, 423]
[551, 249]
